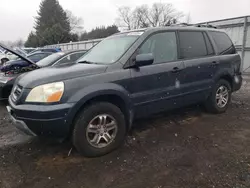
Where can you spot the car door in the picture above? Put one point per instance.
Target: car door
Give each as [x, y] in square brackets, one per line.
[156, 87]
[200, 62]
[225, 50]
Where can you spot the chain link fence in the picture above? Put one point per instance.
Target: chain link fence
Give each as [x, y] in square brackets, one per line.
[83, 45]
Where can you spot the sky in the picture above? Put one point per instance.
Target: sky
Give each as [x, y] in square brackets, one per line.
[17, 16]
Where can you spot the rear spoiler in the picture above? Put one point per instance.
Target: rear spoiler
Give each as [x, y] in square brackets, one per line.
[19, 55]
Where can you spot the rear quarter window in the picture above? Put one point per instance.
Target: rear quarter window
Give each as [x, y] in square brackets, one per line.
[210, 50]
[223, 43]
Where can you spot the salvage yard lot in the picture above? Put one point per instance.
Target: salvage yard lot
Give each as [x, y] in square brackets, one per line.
[183, 148]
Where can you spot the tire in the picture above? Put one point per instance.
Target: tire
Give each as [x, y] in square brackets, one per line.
[81, 137]
[3, 61]
[211, 104]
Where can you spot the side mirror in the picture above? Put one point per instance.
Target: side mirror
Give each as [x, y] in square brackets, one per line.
[144, 60]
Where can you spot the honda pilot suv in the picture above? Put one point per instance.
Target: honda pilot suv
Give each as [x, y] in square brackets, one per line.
[126, 76]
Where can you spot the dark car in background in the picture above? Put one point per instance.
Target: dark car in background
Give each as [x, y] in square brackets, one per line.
[55, 59]
[28, 50]
[60, 58]
[53, 50]
[127, 76]
[20, 63]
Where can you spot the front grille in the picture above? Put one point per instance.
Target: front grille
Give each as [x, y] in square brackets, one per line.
[16, 92]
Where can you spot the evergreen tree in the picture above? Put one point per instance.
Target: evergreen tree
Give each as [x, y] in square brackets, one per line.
[99, 32]
[32, 40]
[51, 13]
[52, 24]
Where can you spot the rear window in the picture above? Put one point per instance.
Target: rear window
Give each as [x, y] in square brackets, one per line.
[223, 43]
[192, 44]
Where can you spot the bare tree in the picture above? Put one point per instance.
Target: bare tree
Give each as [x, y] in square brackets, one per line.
[17, 43]
[160, 14]
[140, 17]
[75, 22]
[125, 18]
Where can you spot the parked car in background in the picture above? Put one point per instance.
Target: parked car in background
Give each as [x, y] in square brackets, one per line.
[60, 58]
[7, 79]
[126, 76]
[6, 56]
[28, 50]
[53, 50]
[21, 51]
[20, 63]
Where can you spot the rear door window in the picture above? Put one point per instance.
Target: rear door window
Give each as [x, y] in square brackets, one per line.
[192, 44]
[223, 42]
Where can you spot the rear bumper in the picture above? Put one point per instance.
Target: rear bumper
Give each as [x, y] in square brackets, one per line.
[237, 82]
[42, 120]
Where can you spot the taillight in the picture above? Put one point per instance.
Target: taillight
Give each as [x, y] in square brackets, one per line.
[236, 67]
[8, 73]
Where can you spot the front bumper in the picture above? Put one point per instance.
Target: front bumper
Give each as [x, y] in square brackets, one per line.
[21, 125]
[42, 120]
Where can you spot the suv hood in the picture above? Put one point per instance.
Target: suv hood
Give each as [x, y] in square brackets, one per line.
[58, 73]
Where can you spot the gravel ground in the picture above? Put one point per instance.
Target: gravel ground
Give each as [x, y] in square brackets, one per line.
[184, 148]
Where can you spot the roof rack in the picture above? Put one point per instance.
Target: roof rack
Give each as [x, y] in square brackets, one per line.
[195, 25]
[205, 25]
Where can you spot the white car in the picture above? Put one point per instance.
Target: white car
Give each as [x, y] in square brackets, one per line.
[6, 56]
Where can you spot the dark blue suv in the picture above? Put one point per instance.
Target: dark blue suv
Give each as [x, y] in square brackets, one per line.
[126, 76]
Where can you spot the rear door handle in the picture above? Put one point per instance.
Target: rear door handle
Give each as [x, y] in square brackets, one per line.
[215, 62]
[176, 69]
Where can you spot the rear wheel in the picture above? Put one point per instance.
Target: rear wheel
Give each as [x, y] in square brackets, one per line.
[220, 97]
[99, 129]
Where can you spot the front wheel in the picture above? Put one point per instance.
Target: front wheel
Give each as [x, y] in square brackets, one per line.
[220, 97]
[3, 61]
[99, 129]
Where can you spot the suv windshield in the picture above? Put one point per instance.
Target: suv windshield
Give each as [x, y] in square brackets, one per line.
[110, 49]
[50, 59]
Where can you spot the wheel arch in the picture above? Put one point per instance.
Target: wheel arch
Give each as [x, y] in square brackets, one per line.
[4, 58]
[225, 75]
[118, 97]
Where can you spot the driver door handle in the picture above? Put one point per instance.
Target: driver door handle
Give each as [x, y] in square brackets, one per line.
[176, 69]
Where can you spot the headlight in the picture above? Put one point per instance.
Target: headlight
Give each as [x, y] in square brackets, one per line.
[47, 93]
